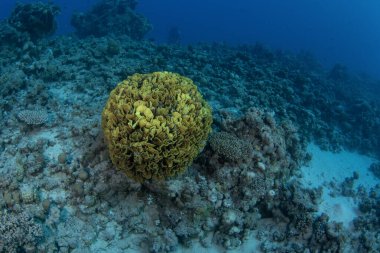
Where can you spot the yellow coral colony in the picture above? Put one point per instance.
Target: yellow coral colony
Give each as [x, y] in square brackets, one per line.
[155, 125]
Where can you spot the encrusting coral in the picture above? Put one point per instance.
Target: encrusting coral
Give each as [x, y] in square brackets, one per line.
[155, 125]
[33, 117]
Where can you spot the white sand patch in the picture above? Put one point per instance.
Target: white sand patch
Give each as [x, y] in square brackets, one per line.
[42, 134]
[339, 209]
[51, 152]
[58, 195]
[63, 93]
[326, 167]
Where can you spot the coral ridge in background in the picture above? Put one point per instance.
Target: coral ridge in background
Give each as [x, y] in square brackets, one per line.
[111, 17]
[32, 21]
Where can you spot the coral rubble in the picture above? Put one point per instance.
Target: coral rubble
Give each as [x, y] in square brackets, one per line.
[18, 231]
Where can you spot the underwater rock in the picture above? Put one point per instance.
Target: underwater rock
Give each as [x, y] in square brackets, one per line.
[338, 72]
[10, 36]
[168, 242]
[174, 36]
[260, 146]
[30, 21]
[111, 17]
[375, 169]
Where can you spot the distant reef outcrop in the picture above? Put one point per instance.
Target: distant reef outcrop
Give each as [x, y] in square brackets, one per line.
[34, 21]
[111, 17]
[27, 22]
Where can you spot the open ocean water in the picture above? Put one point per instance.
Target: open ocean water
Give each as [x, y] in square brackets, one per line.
[189, 126]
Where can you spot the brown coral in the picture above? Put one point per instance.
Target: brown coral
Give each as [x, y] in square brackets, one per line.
[155, 125]
[230, 147]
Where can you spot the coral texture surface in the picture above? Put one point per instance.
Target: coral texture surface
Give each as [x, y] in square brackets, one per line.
[155, 125]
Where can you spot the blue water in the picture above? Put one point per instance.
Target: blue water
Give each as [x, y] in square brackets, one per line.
[334, 31]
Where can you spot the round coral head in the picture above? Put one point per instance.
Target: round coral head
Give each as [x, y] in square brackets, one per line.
[155, 125]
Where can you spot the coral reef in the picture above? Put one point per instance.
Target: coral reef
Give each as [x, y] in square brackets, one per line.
[230, 147]
[10, 36]
[18, 232]
[245, 183]
[155, 125]
[257, 140]
[111, 17]
[29, 22]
